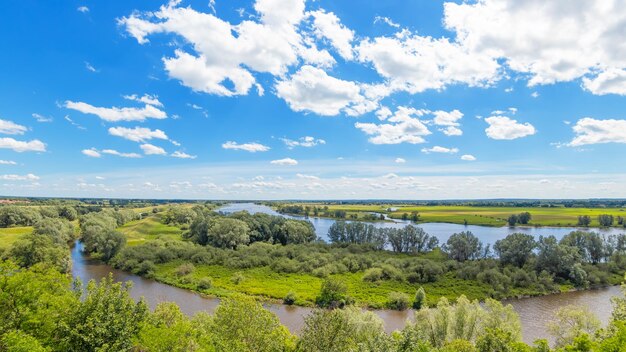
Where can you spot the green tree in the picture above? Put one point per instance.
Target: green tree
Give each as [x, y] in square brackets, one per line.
[107, 319]
[463, 246]
[524, 218]
[570, 322]
[515, 249]
[605, 220]
[584, 220]
[420, 298]
[242, 324]
[333, 294]
[512, 220]
[227, 233]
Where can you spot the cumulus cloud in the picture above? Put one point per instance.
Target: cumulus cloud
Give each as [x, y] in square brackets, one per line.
[400, 161]
[403, 127]
[150, 149]
[92, 152]
[582, 35]
[10, 127]
[438, 149]
[611, 81]
[249, 147]
[386, 20]
[306, 142]
[28, 177]
[182, 155]
[137, 134]
[284, 162]
[7, 162]
[328, 25]
[505, 128]
[146, 99]
[449, 120]
[115, 114]
[41, 118]
[22, 146]
[592, 131]
[312, 89]
[468, 157]
[123, 155]
[83, 9]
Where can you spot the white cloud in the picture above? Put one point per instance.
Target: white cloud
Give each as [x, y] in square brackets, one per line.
[306, 142]
[249, 147]
[92, 152]
[90, 67]
[592, 131]
[307, 177]
[404, 127]
[83, 9]
[400, 161]
[582, 35]
[328, 25]
[10, 127]
[41, 118]
[468, 157]
[150, 149]
[123, 155]
[438, 149]
[182, 155]
[21, 146]
[284, 162]
[7, 162]
[28, 177]
[68, 119]
[386, 20]
[312, 89]
[146, 99]
[414, 63]
[534, 94]
[502, 127]
[137, 134]
[611, 81]
[115, 114]
[448, 119]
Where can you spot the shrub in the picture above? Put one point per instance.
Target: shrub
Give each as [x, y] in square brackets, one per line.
[398, 301]
[205, 283]
[290, 298]
[373, 274]
[420, 298]
[333, 294]
[185, 269]
[237, 278]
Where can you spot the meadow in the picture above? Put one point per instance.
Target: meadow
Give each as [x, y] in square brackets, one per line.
[11, 234]
[148, 228]
[474, 215]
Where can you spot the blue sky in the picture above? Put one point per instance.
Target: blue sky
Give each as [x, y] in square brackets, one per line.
[286, 99]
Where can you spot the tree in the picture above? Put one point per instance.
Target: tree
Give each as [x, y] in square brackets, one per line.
[169, 330]
[343, 330]
[294, 231]
[106, 243]
[333, 294]
[420, 298]
[524, 218]
[570, 322]
[60, 231]
[584, 220]
[512, 220]
[67, 212]
[463, 246]
[605, 220]
[242, 324]
[36, 249]
[555, 258]
[107, 319]
[515, 249]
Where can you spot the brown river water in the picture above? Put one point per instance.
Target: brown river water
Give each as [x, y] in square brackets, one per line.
[534, 312]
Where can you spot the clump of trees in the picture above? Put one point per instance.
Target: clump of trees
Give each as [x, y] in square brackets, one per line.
[99, 234]
[521, 218]
[409, 239]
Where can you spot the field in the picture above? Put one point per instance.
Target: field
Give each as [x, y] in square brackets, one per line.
[149, 228]
[11, 234]
[478, 215]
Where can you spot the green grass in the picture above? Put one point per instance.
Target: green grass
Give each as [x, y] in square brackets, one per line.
[150, 228]
[11, 234]
[485, 216]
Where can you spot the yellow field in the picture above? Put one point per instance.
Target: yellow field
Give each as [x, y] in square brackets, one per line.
[11, 234]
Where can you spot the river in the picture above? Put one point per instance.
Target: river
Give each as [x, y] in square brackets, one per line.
[534, 312]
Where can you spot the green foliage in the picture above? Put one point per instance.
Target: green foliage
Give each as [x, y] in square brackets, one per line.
[398, 301]
[185, 269]
[420, 298]
[571, 322]
[290, 298]
[19, 341]
[463, 246]
[205, 283]
[107, 319]
[333, 294]
[515, 249]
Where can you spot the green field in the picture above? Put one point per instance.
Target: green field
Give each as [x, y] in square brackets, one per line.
[11, 234]
[477, 215]
[150, 228]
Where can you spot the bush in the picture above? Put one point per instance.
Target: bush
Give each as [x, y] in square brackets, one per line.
[205, 283]
[185, 269]
[398, 301]
[333, 294]
[290, 298]
[237, 278]
[373, 274]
